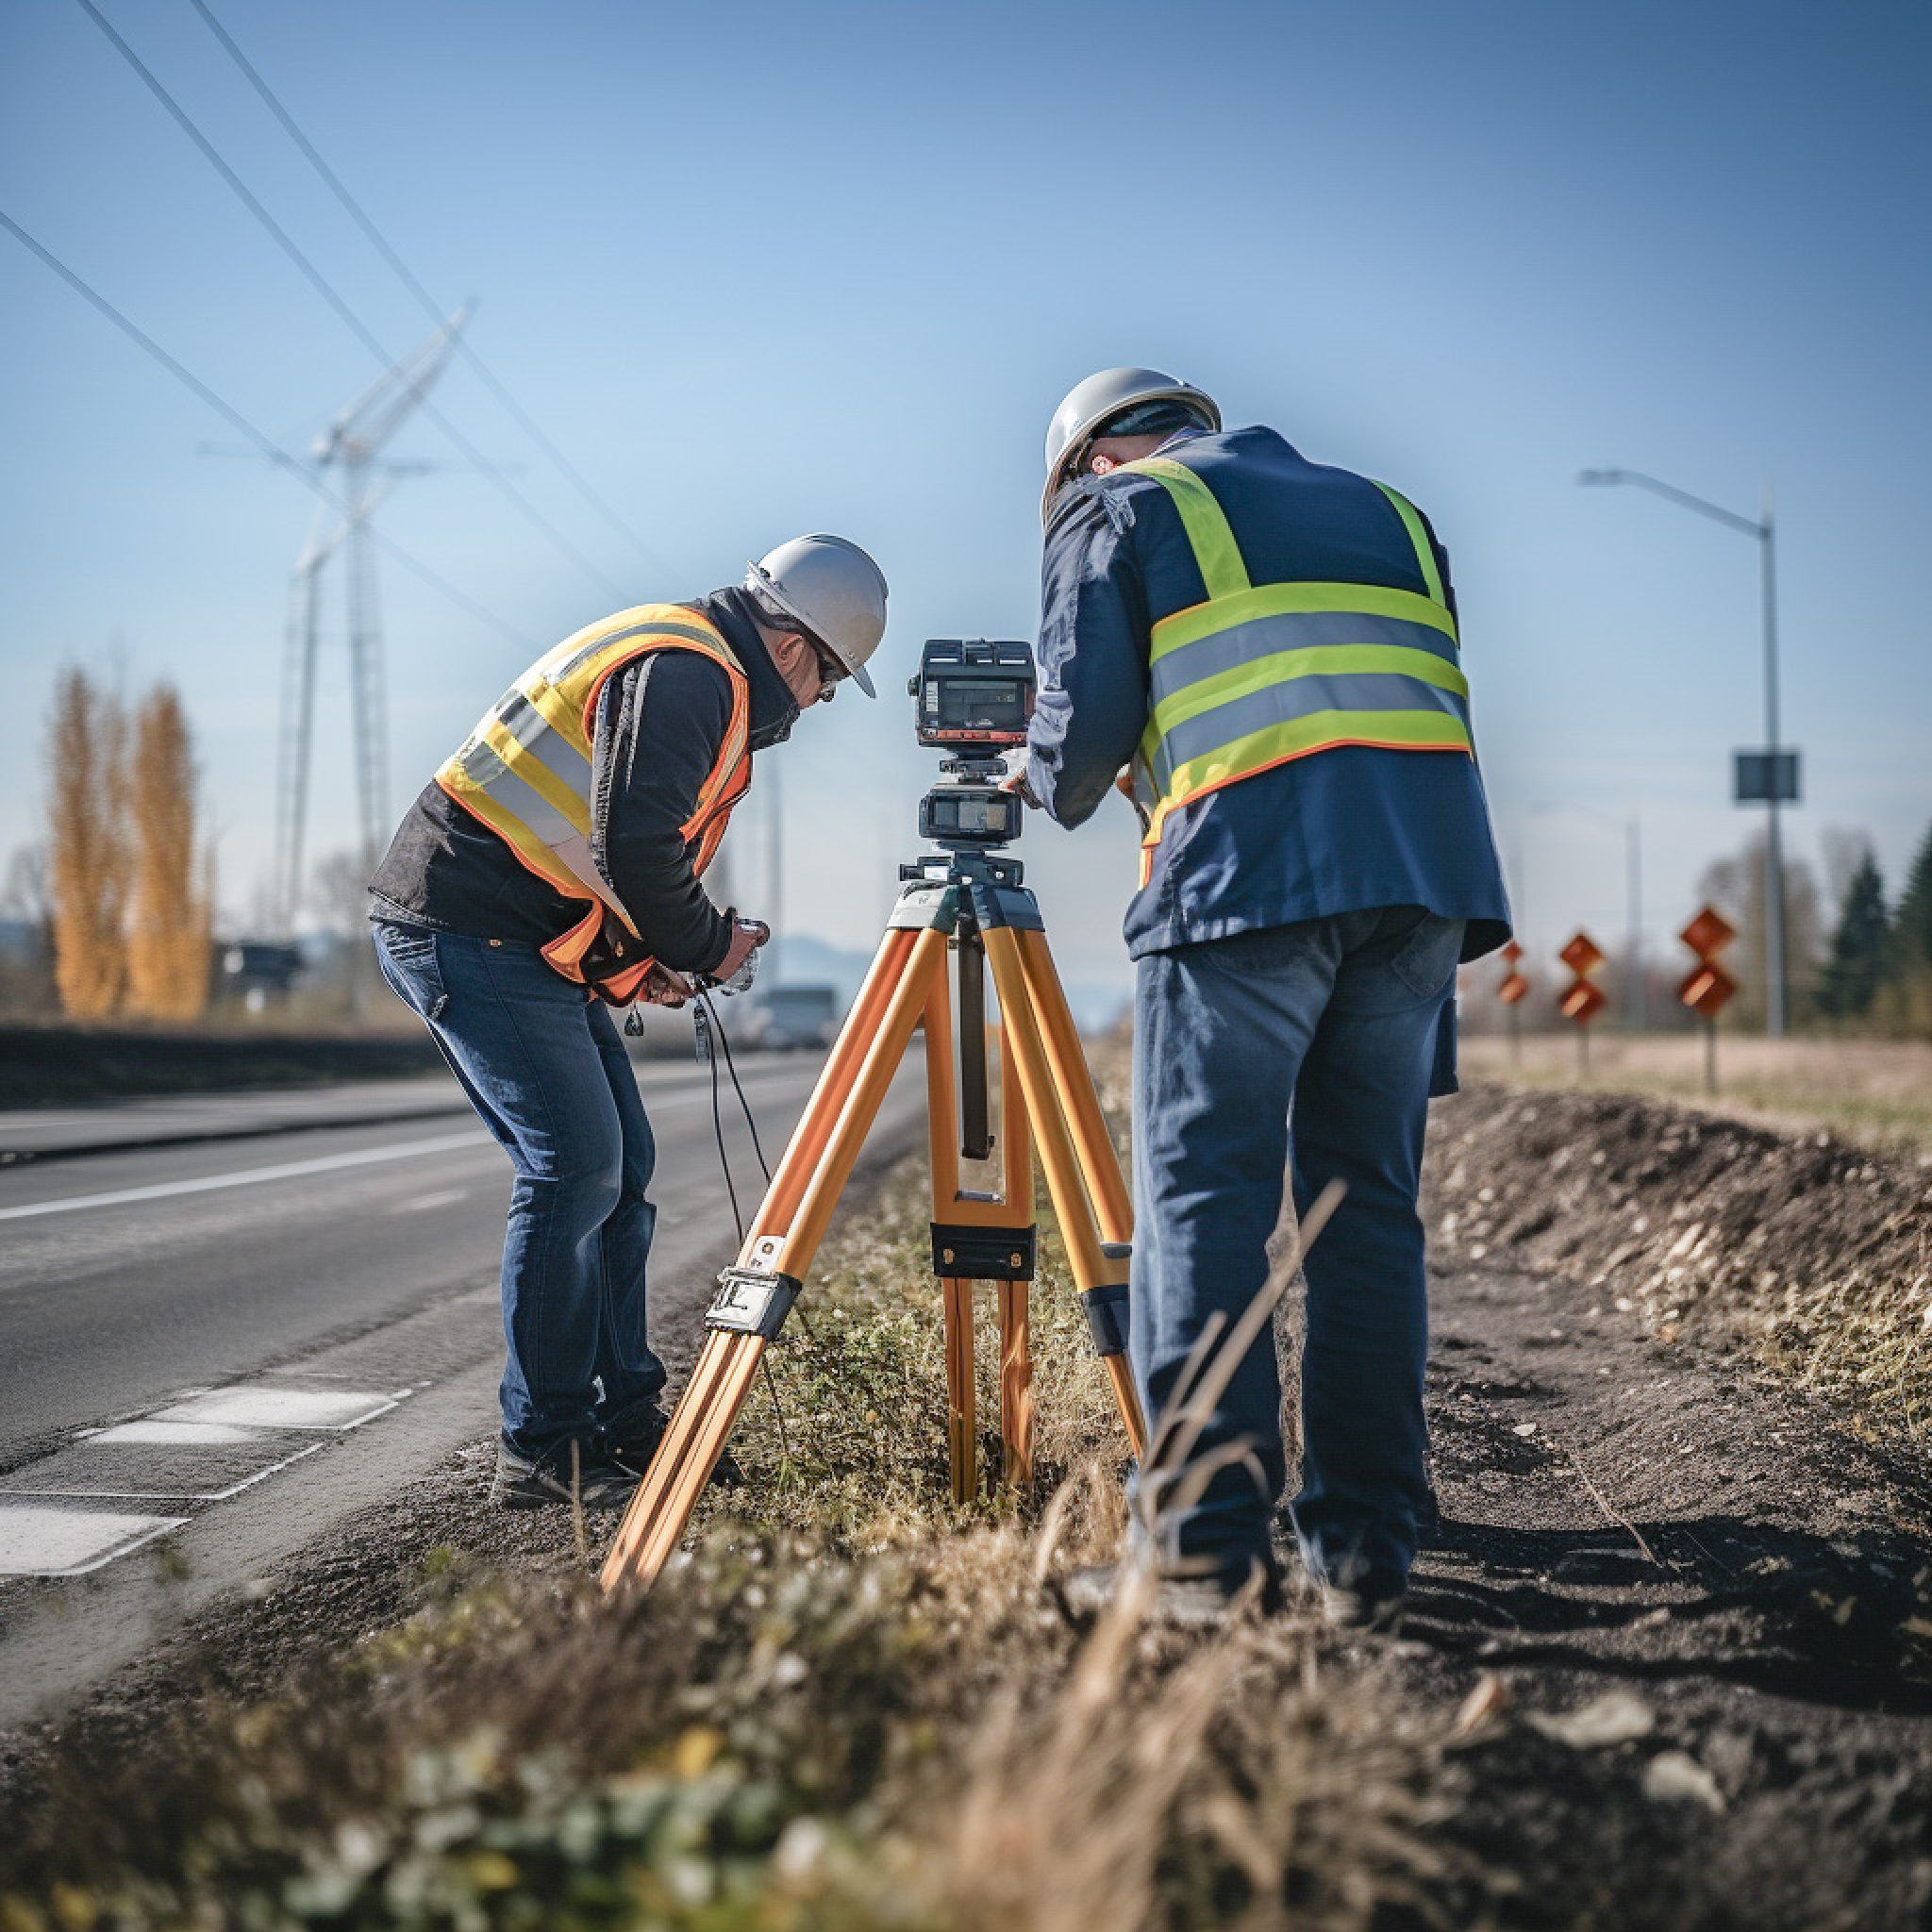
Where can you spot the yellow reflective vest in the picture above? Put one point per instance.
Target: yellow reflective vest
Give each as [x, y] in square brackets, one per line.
[525, 771]
[1260, 674]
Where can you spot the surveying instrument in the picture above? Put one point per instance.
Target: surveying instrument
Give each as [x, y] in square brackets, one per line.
[960, 910]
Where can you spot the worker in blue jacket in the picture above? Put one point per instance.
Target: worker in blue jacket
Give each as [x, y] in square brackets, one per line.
[1264, 651]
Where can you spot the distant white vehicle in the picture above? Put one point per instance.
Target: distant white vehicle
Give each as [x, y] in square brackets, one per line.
[798, 1016]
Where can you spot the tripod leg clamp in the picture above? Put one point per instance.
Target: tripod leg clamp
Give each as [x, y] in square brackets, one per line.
[751, 1302]
[1107, 1317]
[982, 1253]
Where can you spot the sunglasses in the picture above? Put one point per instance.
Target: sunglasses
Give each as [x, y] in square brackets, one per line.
[830, 671]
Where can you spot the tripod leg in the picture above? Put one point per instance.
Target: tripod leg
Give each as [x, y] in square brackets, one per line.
[783, 1240]
[1016, 1386]
[1073, 1082]
[835, 1081]
[1093, 1271]
[963, 1421]
[793, 1254]
[1016, 1342]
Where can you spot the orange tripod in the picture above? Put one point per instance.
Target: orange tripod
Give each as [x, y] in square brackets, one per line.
[971, 905]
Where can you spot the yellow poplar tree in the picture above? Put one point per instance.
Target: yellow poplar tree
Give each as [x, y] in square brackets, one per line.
[87, 873]
[168, 921]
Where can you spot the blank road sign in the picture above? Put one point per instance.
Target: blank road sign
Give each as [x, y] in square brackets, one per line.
[1762, 777]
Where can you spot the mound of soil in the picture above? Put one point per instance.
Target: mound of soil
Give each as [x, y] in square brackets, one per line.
[1814, 1253]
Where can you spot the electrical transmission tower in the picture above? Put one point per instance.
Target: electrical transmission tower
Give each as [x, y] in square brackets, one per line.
[350, 447]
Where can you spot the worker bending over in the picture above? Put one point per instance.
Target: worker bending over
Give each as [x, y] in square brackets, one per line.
[1269, 645]
[551, 870]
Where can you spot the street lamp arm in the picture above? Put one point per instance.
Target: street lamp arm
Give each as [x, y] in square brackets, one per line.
[1716, 511]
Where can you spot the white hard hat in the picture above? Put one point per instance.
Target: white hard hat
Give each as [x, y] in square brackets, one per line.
[1089, 404]
[834, 589]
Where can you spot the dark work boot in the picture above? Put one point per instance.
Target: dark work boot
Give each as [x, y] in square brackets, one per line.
[631, 1441]
[525, 1482]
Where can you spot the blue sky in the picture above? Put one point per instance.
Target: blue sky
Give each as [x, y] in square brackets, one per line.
[766, 269]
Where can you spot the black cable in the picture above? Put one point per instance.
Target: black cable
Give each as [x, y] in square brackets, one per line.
[328, 293]
[731, 1068]
[262, 441]
[380, 243]
[706, 1020]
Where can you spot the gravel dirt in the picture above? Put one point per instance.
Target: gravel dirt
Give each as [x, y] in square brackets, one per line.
[1676, 1626]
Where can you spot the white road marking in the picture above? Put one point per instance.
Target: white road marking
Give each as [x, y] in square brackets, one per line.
[171, 1435]
[36, 1540]
[261, 1406]
[441, 1198]
[286, 1170]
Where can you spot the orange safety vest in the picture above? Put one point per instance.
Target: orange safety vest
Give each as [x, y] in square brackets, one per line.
[525, 772]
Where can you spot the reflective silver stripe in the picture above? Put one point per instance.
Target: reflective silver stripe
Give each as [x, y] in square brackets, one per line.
[1288, 630]
[562, 674]
[1299, 697]
[535, 734]
[576, 857]
[483, 768]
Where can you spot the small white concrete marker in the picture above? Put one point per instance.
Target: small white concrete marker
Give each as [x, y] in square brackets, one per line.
[263, 1406]
[40, 1541]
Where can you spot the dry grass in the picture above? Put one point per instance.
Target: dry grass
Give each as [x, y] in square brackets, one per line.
[1876, 1093]
[852, 1706]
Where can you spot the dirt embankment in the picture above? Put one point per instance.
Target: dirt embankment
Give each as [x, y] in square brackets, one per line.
[1813, 1255]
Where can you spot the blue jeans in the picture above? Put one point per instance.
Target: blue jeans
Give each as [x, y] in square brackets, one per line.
[545, 1068]
[1345, 1018]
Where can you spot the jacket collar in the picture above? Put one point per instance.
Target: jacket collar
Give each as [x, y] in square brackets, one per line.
[774, 709]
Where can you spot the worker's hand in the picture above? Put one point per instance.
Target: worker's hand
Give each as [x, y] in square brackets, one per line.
[1016, 768]
[745, 934]
[1124, 786]
[664, 988]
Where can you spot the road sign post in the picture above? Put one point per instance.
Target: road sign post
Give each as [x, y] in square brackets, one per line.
[1511, 992]
[1707, 987]
[1582, 999]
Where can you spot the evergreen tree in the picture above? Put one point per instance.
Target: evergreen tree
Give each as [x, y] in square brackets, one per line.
[1912, 929]
[1857, 960]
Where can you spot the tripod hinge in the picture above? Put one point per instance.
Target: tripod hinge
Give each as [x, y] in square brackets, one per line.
[1107, 1317]
[752, 1302]
[967, 1253]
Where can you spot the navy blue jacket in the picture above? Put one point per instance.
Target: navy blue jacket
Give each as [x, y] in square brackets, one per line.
[1345, 830]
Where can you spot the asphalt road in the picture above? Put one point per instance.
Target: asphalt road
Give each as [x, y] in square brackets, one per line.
[359, 1258]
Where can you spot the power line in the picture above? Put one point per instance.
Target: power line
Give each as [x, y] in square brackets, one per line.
[328, 293]
[381, 244]
[264, 443]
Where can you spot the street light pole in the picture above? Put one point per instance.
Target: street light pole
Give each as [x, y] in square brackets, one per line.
[1773, 846]
[1764, 529]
